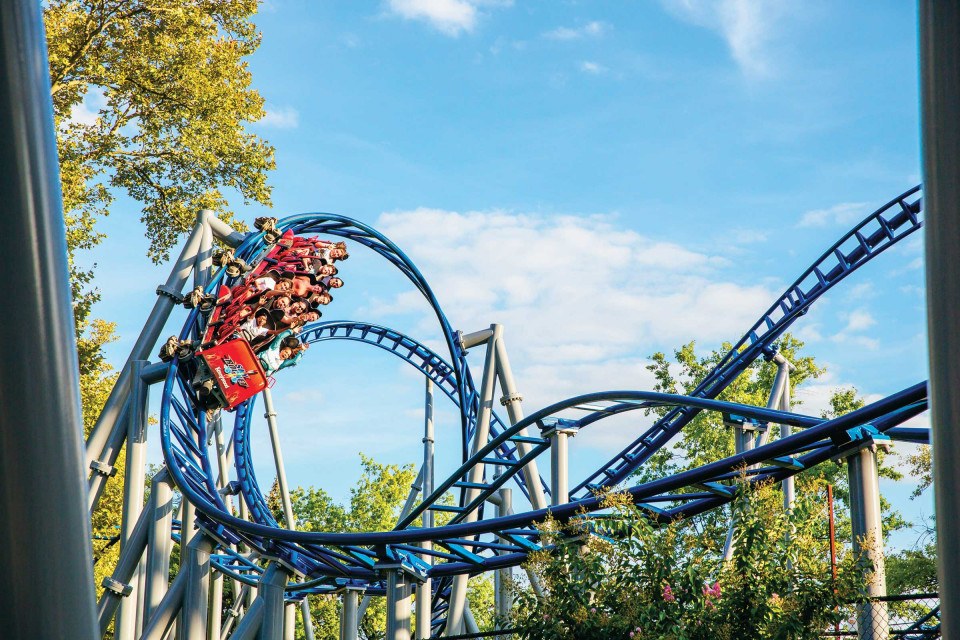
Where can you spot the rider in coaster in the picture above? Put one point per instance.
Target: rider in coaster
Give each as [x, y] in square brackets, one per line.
[285, 351]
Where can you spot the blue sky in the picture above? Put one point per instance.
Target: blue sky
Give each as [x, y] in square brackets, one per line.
[606, 179]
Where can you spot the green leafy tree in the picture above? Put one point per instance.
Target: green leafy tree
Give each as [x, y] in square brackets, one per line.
[707, 439]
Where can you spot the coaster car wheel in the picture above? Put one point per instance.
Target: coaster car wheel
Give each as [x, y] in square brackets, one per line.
[169, 349]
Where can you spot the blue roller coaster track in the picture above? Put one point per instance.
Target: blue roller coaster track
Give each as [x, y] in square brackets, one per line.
[464, 545]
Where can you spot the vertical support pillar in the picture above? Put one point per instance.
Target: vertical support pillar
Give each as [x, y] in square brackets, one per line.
[117, 586]
[272, 585]
[559, 463]
[196, 562]
[872, 617]
[133, 487]
[744, 439]
[502, 580]
[215, 613]
[271, 415]
[424, 589]
[159, 542]
[940, 93]
[399, 595]
[349, 617]
[188, 514]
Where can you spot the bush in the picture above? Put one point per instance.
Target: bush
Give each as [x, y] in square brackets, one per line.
[622, 575]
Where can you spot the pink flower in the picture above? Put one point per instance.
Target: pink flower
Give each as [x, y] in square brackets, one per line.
[593, 609]
[631, 634]
[668, 594]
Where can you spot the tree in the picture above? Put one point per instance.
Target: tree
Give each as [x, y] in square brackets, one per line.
[172, 94]
[707, 438]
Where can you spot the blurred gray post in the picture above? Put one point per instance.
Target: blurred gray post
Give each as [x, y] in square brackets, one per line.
[940, 92]
[43, 497]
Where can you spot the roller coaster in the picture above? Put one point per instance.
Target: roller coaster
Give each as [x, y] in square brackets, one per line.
[227, 530]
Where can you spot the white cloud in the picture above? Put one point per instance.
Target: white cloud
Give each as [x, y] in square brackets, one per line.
[450, 17]
[857, 321]
[747, 26]
[583, 301]
[592, 68]
[843, 214]
[281, 117]
[590, 30]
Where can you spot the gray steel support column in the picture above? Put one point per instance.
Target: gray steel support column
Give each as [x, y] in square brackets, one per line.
[307, 619]
[117, 586]
[503, 579]
[160, 543]
[743, 440]
[559, 467]
[865, 520]
[224, 232]
[145, 343]
[187, 515]
[289, 620]
[196, 562]
[141, 596]
[349, 617]
[249, 627]
[162, 621]
[272, 584]
[469, 622]
[41, 468]
[458, 592]
[399, 595]
[133, 487]
[234, 611]
[215, 611]
[204, 263]
[424, 589]
[271, 415]
[780, 399]
[104, 467]
[940, 92]
[511, 400]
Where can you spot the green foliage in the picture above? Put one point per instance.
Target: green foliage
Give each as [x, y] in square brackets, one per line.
[706, 439]
[913, 571]
[375, 504]
[921, 465]
[172, 91]
[630, 578]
